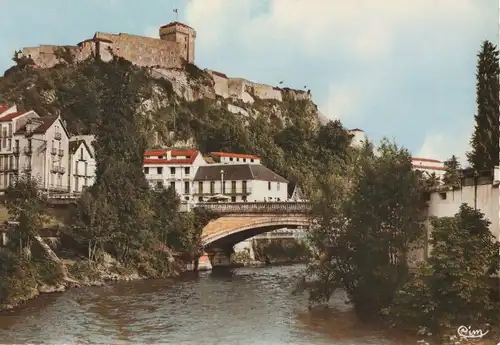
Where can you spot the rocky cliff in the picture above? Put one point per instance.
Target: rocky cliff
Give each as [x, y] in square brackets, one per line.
[179, 107]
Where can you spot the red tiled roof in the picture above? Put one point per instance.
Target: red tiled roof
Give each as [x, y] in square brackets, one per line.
[429, 160]
[183, 153]
[356, 130]
[428, 167]
[155, 153]
[176, 23]
[4, 107]
[234, 155]
[11, 116]
[191, 154]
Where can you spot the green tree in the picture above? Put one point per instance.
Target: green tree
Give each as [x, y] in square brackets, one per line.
[485, 139]
[94, 221]
[452, 174]
[367, 224]
[166, 214]
[26, 208]
[454, 286]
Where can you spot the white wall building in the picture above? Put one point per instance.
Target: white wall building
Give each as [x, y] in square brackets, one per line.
[240, 182]
[234, 158]
[173, 168]
[82, 165]
[359, 137]
[485, 197]
[429, 166]
[37, 147]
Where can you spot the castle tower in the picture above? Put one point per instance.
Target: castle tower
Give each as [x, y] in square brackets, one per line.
[183, 34]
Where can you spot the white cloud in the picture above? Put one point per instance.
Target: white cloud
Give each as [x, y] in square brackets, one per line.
[365, 30]
[442, 145]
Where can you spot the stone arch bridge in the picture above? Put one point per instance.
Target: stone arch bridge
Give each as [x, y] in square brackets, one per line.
[240, 221]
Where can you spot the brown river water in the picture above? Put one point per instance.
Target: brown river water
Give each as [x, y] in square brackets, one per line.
[239, 306]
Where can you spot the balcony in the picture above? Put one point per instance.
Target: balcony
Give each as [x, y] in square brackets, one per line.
[15, 150]
[53, 151]
[60, 152]
[228, 191]
[57, 136]
[28, 150]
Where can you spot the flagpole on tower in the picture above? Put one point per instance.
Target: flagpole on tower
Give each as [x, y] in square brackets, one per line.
[176, 11]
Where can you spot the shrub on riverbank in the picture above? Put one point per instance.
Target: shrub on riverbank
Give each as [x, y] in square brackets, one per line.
[22, 278]
[280, 250]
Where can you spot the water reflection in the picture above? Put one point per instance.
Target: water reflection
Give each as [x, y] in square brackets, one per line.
[242, 306]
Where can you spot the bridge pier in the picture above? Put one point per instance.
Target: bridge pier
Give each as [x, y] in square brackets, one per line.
[220, 257]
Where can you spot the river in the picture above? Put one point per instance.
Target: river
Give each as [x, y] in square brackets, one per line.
[241, 306]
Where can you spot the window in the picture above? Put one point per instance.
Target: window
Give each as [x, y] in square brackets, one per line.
[277, 186]
[146, 170]
[233, 186]
[212, 187]
[172, 185]
[244, 198]
[187, 170]
[244, 160]
[9, 144]
[230, 159]
[233, 199]
[269, 185]
[200, 187]
[200, 198]
[172, 171]
[186, 187]
[10, 129]
[442, 196]
[186, 198]
[244, 186]
[159, 170]
[76, 184]
[159, 184]
[81, 153]
[251, 160]
[224, 187]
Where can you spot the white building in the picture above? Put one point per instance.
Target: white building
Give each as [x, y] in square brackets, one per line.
[39, 147]
[34, 146]
[485, 197]
[248, 182]
[295, 193]
[82, 165]
[358, 137]
[173, 168]
[234, 158]
[429, 166]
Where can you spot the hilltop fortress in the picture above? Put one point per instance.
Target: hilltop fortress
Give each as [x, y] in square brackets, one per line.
[165, 56]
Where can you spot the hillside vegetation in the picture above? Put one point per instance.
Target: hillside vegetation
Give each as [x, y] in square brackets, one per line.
[287, 135]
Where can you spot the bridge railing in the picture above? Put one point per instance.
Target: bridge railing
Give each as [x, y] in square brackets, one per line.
[257, 207]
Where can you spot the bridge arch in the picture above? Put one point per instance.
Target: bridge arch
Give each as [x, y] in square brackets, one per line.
[227, 231]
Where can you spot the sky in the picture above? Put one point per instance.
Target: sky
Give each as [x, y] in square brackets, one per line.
[402, 69]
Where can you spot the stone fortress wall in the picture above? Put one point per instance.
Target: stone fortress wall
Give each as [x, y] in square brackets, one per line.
[247, 91]
[164, 55]
[176, 43]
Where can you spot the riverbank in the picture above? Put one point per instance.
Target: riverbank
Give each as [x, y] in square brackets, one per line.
[342, 325]
[29, 279]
